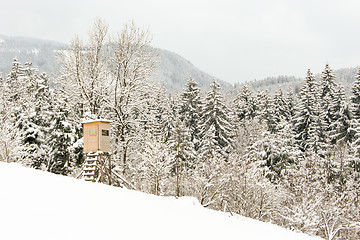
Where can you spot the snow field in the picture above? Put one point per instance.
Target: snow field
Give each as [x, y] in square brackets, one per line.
[40, 205]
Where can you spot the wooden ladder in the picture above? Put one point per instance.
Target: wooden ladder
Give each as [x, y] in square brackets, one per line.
[89, 170]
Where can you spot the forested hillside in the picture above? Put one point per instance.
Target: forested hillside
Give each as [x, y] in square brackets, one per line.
[172, 70]
[344, 76]
[290, 159]
[39, 52]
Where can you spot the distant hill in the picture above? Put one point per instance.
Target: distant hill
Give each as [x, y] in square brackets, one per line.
[344, 76]
[173, 70]
[40, 52]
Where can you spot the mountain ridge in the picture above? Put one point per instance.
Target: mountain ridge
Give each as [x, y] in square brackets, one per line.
[173, 71]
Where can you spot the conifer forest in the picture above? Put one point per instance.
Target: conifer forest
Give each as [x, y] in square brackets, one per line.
[292, 159]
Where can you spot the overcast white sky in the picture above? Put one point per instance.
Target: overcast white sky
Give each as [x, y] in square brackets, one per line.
[232, 40]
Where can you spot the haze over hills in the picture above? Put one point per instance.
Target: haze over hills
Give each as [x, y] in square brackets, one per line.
[173, 70]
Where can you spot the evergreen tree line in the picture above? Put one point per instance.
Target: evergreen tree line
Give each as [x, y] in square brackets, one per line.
[293, 160]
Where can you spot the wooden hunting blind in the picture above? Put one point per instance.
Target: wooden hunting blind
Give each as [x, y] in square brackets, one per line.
[97, 165]
[96, 135]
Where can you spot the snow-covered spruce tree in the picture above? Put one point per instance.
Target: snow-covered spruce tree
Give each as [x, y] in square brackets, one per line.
[43, 99]
[280, 110]
[182, 151]
[341, 135]
[266, 111]
[306, 113]
[7, 131]
[327, 84]
[318, 136]
[43, 112]
[327, 92]
[245, 104]
[33, 121]
[159, 117]
[273, 153]
[217, 137]
[248, 127]
[354, 160]
[190, 110]
[210, 148]
[256, 194]
[290, 101]
[15, 88]
[174, 99]
[320, 130]
[62, 136]
[18, 98]
[355, 98]
[318, 142]
[216, 120]
[353, 179]
[14, 85]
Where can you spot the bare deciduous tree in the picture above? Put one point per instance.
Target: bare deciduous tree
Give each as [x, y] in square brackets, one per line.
[84, 75]
[131, 62]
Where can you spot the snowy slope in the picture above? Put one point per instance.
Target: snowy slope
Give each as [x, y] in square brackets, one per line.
[39, 205]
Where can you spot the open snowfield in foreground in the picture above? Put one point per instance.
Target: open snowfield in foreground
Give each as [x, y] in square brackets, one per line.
[40, 205]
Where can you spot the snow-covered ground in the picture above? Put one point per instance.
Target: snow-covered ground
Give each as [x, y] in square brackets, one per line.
[39, 205]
